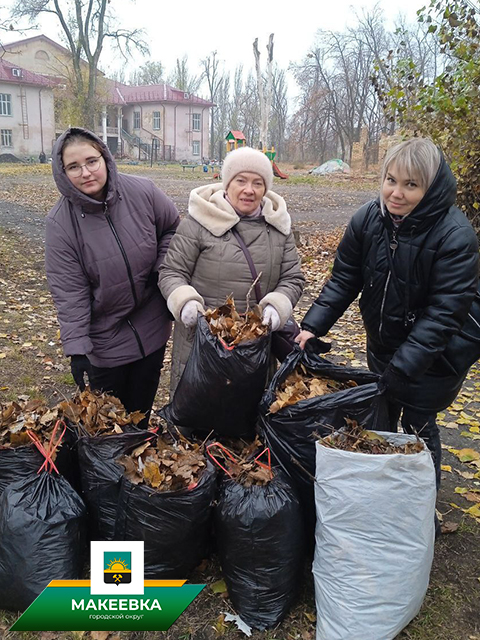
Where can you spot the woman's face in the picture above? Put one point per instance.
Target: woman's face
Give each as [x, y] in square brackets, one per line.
[401, 192]
[85, 168]
[246, 191]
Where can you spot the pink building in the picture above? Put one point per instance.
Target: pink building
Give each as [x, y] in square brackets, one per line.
[158, 119]
[27, 121]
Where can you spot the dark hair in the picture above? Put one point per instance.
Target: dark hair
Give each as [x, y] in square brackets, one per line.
[76, 137]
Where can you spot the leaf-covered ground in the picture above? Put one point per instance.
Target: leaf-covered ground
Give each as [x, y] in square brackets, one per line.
[31, 363]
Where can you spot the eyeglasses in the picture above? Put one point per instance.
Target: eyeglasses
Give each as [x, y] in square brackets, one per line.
[76, 170]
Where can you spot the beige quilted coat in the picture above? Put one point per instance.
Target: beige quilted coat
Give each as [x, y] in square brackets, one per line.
[204, 262]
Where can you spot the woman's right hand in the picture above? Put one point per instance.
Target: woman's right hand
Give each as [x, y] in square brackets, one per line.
[302, 338]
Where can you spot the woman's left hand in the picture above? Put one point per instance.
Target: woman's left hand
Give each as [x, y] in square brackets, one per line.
[303, 336]
[270, 317]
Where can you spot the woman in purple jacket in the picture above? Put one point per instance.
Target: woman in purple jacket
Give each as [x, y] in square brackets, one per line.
[105, 240]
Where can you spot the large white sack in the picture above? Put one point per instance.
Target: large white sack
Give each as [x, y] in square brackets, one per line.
[374, 540]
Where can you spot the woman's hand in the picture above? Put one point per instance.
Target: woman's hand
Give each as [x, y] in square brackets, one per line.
[80, 365]
[189, 314]
[302, 338]
[270, 317]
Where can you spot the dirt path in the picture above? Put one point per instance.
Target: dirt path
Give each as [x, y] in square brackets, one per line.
[32, 362]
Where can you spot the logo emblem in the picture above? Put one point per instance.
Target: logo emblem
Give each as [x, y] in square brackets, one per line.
[117, 567]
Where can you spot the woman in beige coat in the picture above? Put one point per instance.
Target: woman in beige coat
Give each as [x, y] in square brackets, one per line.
[205, 263]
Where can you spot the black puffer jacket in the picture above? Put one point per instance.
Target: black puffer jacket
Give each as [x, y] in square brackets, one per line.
[410, 316]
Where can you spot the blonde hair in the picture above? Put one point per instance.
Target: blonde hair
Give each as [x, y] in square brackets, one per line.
[419, 158]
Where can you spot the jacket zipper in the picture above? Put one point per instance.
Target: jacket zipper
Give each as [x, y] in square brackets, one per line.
[393, 247]
[130, 277]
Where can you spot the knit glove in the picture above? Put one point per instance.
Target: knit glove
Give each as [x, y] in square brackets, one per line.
[396, 383]
[189, 314]
[271, 318]
[79, 366]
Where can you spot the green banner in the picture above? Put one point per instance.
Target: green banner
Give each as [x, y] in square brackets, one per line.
[73, 608]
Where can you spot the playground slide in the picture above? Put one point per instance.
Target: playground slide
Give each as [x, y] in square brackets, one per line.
[278, 173]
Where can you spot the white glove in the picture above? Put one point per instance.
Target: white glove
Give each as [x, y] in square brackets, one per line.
[270, 317]
[189, 314]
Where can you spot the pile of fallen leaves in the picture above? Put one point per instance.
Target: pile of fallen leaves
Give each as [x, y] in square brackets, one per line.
[303, 385]
[355, 438]
[242, 462]
[228, 325]
[98, 413]
[18, 418]
[164, 466]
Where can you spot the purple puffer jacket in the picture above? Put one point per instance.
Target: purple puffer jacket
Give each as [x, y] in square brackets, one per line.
[101, 262]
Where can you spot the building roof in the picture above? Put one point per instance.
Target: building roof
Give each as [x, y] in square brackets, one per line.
[238, 135]
[7, 74]
[125, 94]
[12, 45]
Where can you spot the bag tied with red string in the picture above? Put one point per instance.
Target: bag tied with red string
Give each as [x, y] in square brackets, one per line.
[221, 385]
[259, 535]
[42, 533]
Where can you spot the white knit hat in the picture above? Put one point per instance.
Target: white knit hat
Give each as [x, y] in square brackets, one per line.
[247, 159]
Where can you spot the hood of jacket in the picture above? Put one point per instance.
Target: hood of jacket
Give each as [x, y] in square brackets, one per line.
[438, 199]
[208, 206]
[68, 189]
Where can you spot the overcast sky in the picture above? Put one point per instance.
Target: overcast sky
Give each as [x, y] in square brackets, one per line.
[195, 28]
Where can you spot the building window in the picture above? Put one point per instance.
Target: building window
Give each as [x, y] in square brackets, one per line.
[196, 147]
[5, 104]
[195, 122]
[136, 119]
[6, 135]
[156, 120]
[42, 55]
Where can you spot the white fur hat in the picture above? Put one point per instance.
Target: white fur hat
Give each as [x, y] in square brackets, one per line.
[247, 159]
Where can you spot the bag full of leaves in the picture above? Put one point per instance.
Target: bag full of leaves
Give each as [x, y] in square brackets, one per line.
[42, 533]
[106, 430]
[19, 458]
[225, 375]
[259, 532]
[309, 395]
[166, 498]
[375, 503]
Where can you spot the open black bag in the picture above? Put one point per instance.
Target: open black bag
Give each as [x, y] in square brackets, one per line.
[101, 477]
[221, 386]
[25, 460]
[42, 536]
[289, 433]
[174, 525]
[259, 535]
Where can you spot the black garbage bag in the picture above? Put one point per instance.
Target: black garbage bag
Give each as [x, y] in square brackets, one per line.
[260, 535]
[24, 461]
[18, 463]
[289, 433]
[220, 387]
[42, 537]
[101, 476]
[174, 525]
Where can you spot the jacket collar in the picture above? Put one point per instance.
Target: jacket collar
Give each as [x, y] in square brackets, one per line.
[208, 206]
[67, 189]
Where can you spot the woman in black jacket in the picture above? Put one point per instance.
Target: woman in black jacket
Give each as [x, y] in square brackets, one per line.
[413, 256]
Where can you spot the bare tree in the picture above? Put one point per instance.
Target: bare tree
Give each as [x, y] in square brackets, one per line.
[264, 92]
[214, 79]
[182, 79]
[149, 73]
[279, 111]
[87, 25]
